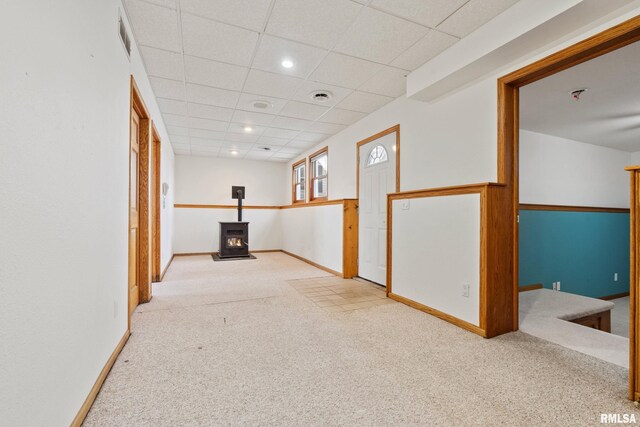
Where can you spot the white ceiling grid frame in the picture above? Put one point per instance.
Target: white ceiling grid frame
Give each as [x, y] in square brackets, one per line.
[219, 83]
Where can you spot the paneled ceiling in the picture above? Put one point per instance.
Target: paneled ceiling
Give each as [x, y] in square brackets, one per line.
[216, 66]
[607, 114]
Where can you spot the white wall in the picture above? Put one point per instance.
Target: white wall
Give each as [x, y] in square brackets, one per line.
[450, 141]
[64, 167]
[208, 181]
[314, 233]
[436, 250]
[558, 171]
[197, 230]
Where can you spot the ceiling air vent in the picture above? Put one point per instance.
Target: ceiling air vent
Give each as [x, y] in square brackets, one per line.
[124, 36]
[260, 104]
[320, 95]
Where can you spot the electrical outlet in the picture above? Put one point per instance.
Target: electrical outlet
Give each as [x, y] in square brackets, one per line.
[405, 204]
[557, 286]
[465, 290]
[615, 277]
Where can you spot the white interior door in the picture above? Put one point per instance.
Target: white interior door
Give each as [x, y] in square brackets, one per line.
[377, 179]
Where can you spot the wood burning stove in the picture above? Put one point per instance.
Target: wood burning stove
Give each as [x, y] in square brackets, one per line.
[234, 236]
[234, 239]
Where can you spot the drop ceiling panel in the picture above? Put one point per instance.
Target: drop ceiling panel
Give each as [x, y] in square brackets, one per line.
[426, 12]
[342, 117]
[274, 50]
[287, 134]
[252, 118]
[316, 22]
[165, 88]
[250, 14]
[241, 137]
[176, 120]
[389, 81]
[302, 110]
[472, 15]
[212, 73]
[364, 102]
[171, 106]
[379, 37]
[154, 26]
[267, 140]
[162, 63]
[206, 134]
[345, 71]
[210, 112]
[290, 123]
[214, 40]
[425, 49]
[177, 130]
[270, 84]
[206, 124]
[247, 99]
[212, 96]
[216, 65]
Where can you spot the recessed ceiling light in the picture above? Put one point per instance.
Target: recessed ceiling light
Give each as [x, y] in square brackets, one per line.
[234, 152]
[248, 128]
[287, 63]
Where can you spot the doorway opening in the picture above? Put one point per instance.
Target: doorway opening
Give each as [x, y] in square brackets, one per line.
[510, 91]
[378, 174]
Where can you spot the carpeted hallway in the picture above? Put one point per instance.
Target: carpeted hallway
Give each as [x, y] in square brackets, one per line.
[248, 343]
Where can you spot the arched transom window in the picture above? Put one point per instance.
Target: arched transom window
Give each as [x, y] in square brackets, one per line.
[377, 155]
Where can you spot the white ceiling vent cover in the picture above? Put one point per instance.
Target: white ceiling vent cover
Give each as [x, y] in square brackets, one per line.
[321, 96]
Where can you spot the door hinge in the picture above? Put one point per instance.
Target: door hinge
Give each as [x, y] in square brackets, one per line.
[518, 219]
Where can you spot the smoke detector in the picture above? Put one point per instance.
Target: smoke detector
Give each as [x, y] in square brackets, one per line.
[576, 94]
[260, 104]
[320, 95]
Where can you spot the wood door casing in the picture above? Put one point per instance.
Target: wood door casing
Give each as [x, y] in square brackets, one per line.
[134, 211]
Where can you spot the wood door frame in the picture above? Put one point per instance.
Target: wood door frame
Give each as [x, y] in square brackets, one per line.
[600, 44]
[396, 129]
[156, 230]
[144, 141]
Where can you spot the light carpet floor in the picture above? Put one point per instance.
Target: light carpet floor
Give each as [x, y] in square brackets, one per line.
[620, 317]
[234, 343]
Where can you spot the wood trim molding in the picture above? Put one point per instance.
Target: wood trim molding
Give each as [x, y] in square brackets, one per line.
[526, 288]
[350, 239]
[439, 314]
[615, 296]
[156, 212]
[533, 207]
[311, 179]
[495, 275]
[167, 267]
[321, 267]
[195, 206]
[93, 393]
[508, 125]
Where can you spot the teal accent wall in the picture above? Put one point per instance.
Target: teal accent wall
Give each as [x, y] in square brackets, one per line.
[582, 250]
